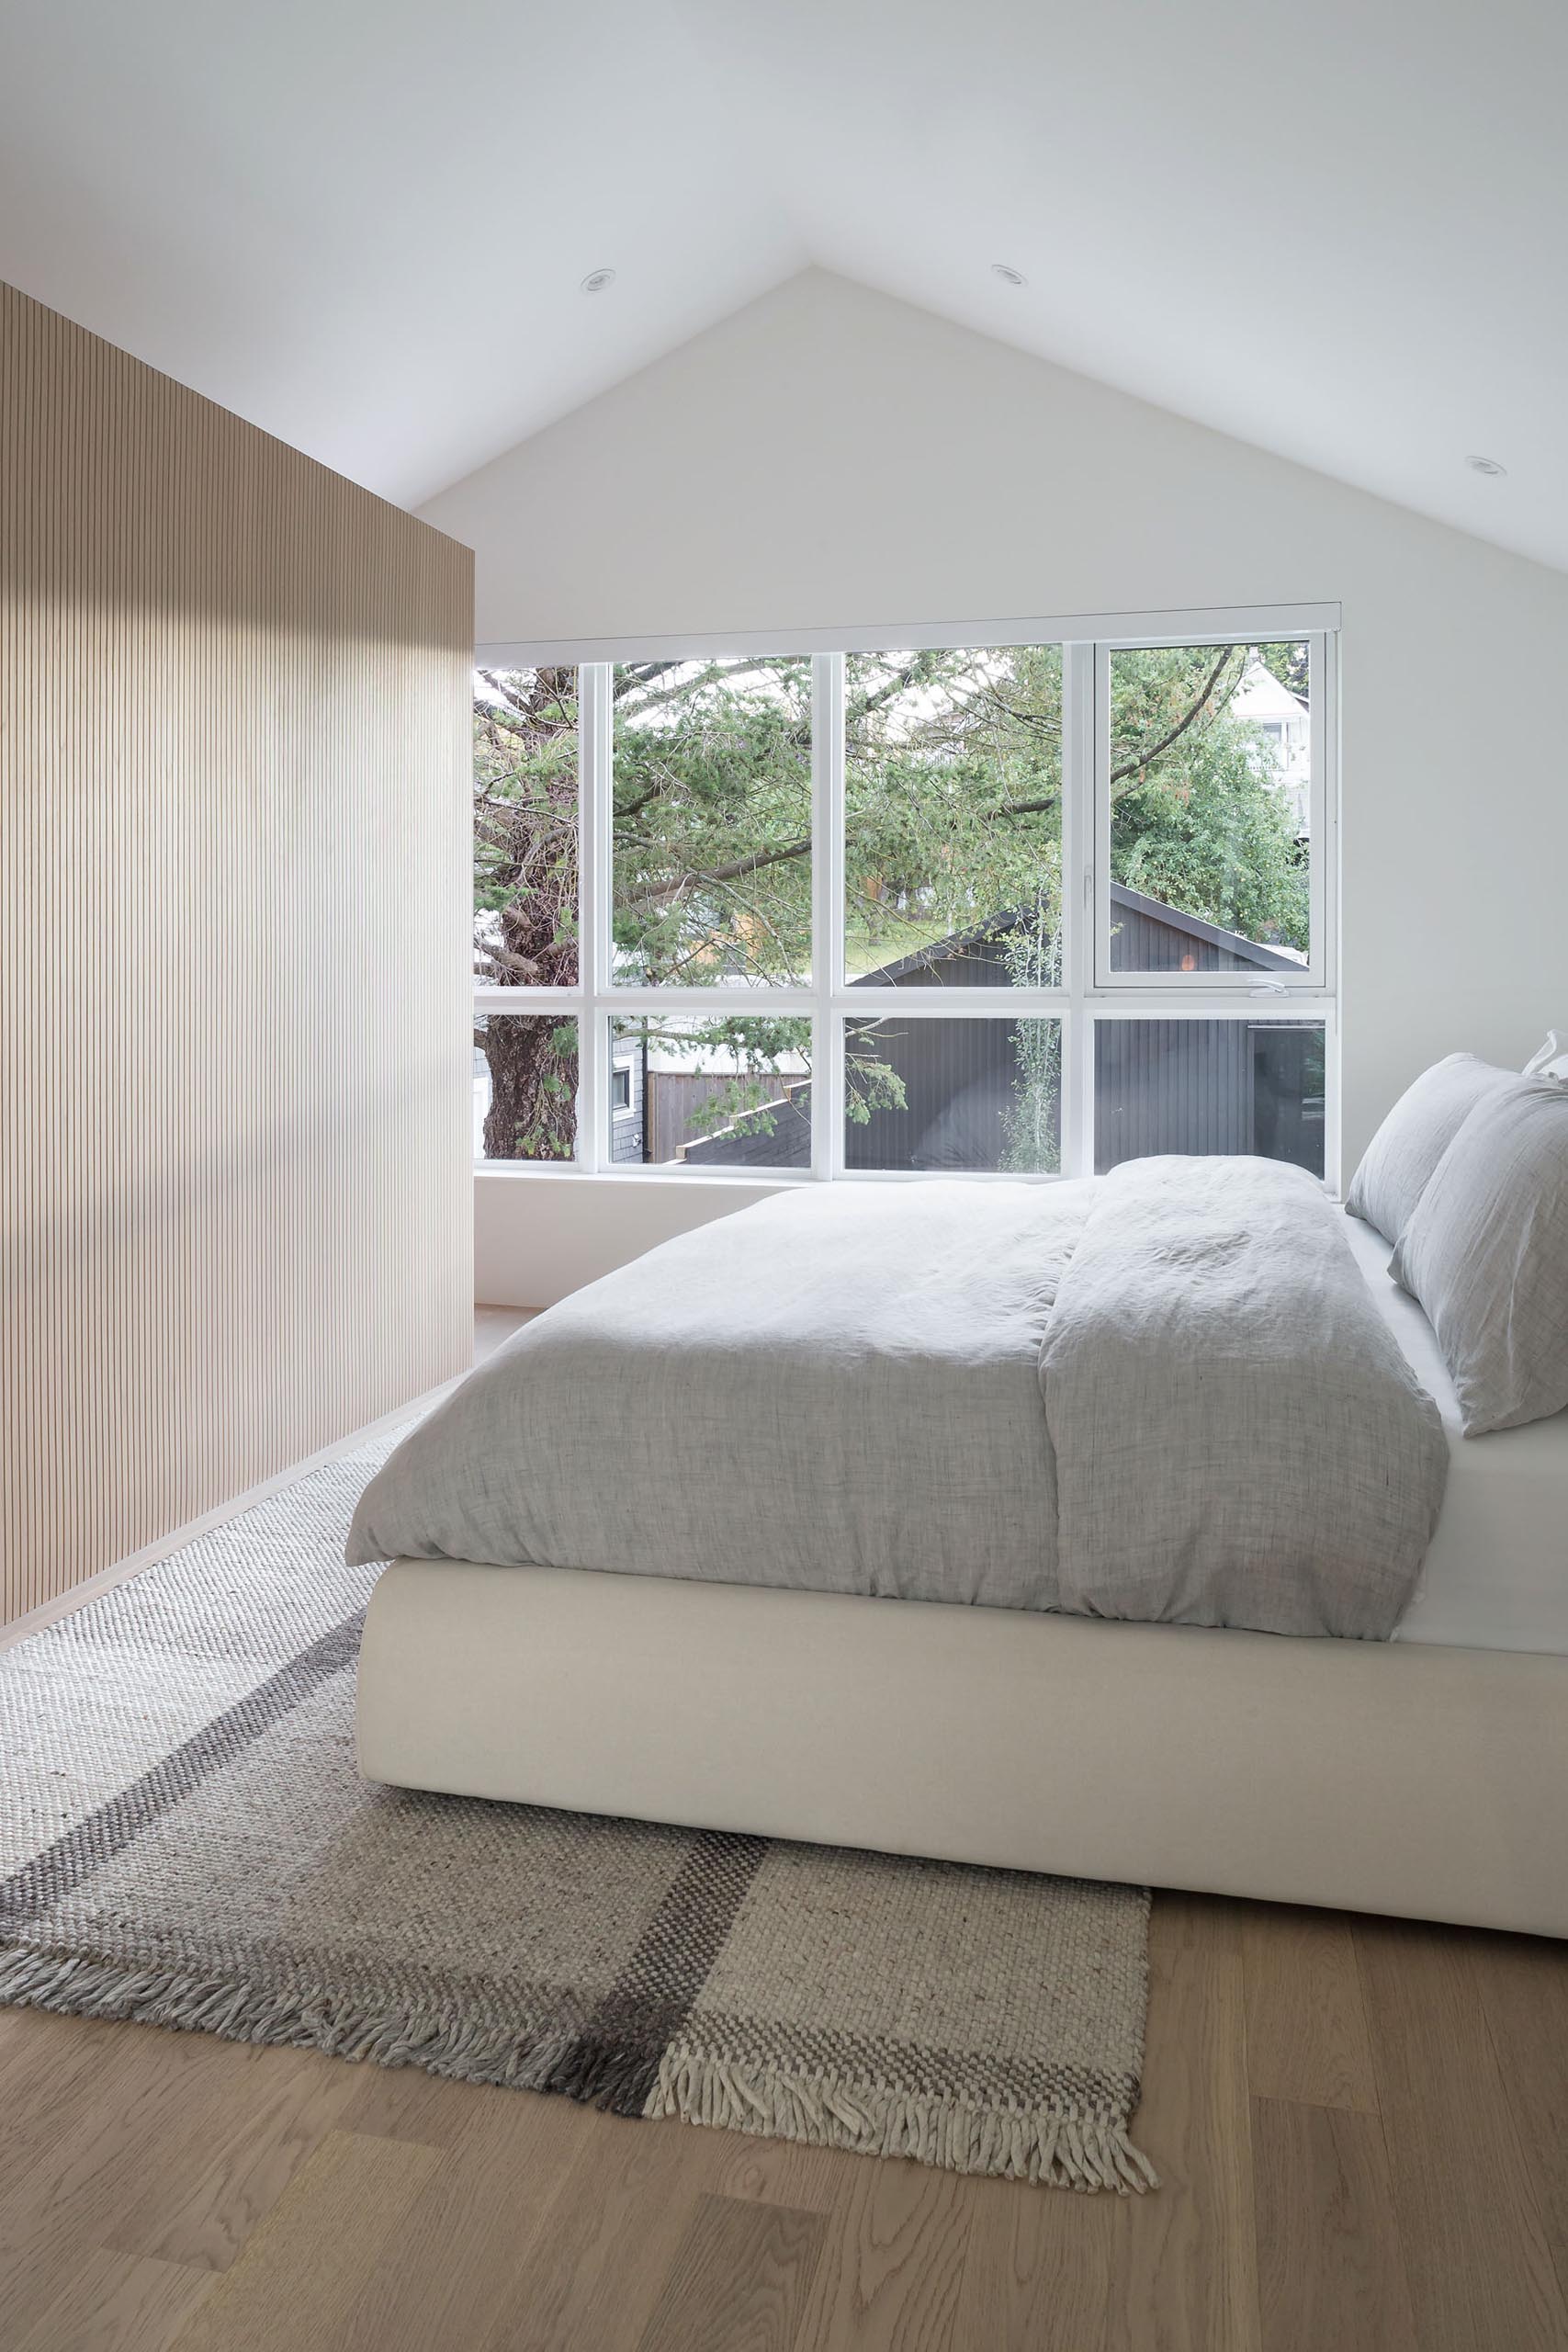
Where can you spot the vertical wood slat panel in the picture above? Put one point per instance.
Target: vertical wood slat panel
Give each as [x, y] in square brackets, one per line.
[235, 1179]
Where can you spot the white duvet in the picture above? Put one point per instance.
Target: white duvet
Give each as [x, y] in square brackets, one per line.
[1165, 1394]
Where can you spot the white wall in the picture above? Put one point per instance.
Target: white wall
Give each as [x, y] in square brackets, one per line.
[537, 1237]
[828, 456]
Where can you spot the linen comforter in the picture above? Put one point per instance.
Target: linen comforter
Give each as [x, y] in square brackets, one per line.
[1163, 1393]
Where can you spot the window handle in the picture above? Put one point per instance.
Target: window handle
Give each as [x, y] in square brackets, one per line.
[1269, 988]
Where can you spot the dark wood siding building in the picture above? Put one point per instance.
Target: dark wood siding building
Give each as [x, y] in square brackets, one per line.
[1251, 1083]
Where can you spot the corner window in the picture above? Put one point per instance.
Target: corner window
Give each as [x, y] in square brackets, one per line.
[994, 909]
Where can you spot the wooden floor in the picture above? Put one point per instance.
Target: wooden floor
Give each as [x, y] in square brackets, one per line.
[1362, 2128]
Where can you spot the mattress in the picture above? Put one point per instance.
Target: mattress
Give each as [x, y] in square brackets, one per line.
[1496, 1574]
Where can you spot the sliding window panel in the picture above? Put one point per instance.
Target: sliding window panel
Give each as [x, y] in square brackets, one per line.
[711, 824]
[934, 1096]
[526, 829]
[953, 818]
[726, 1092]
[1210, 1086]
[525, 1079]
[1207, 808]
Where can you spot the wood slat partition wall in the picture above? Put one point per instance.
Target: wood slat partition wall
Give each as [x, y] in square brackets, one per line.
[236, 1097]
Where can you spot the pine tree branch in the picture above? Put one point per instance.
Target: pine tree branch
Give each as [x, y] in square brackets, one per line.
[1142, 760]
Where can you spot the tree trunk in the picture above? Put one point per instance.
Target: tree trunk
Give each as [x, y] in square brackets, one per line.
[533, 1077]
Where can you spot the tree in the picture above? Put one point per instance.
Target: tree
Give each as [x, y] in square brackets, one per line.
[1291, 664]
[526, 884]
[1194, 822]
[953, 824]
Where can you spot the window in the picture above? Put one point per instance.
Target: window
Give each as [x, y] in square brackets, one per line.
[1020, 909]
[953, 818]
[726, 1092]
[1205, 813]
[711, 824]
[945, 1097]
[1209, 1086]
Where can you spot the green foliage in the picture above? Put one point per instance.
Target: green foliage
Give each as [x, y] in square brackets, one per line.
[752, 1057]
[1032, 1121]
[526, 829]
[1195, 824]
[713, 821]
[1290, 664]
[952, 826]
[952, 796]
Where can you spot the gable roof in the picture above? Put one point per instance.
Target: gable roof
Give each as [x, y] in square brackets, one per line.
[961, 942]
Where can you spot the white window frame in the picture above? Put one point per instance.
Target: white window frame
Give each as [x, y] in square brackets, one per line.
[1318, 973]
[1088, 993]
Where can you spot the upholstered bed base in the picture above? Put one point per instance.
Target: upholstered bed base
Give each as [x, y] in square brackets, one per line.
[1420, 1780]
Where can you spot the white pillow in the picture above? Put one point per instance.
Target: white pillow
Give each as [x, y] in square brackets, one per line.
[1406, 1150]
[1486, 1253]
[1552, 1060]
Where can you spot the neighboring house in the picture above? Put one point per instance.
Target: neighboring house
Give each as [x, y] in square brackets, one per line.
[1246, 1084]
[671, 1084]
[1283, 717]
[628, 1098]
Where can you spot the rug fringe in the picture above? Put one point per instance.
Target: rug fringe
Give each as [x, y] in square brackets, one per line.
[475, 2052]
[1042, 2144]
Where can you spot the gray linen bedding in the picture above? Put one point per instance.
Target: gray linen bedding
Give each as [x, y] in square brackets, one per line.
[1163, 1393]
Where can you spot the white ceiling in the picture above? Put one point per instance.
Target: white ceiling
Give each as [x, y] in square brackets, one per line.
[1339, 231]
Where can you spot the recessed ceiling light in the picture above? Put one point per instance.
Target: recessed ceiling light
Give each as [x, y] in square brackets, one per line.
[1485, 466]
[1008, 276]
[597, 279]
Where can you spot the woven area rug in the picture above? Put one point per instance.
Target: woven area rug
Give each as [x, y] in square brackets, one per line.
[183, 1841]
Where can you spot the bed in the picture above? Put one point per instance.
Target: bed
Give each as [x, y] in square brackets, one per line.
[1420, 1769]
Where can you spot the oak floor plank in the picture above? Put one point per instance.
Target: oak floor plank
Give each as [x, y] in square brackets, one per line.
[411, 2103]
[1523, 1982]
[202, 2196]
[739, 2281]
[1331, 2268]
[1307, 2027]
[55, 2070]
[616, 2220]
[462, 2244]
[67, 2175]
[1184, 2276]
[117, 2302]
[890, 2274]
[1480, 2273]
[1037, 2269]
[782, 2172]
[310, 2258]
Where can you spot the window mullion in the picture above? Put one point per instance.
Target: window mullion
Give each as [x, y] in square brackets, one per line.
[1323, 850]
[1079, 671]
[1097, 965]
[828, 911]
[594, 809]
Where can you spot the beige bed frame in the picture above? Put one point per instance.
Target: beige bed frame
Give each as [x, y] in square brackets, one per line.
[1402, 1777]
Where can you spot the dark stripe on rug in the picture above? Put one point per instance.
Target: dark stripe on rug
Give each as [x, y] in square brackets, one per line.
[31, 1893]
[613, 2062]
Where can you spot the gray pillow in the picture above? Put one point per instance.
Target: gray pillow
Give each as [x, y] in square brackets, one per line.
[1486, 1253]
[1413, 1138]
